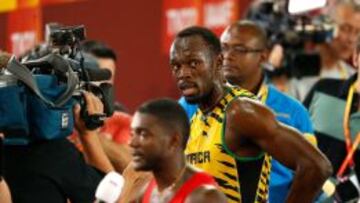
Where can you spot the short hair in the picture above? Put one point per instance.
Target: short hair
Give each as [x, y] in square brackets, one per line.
[98, 49]
[332, 12]
[207, 35]
[352, 3]
[257, 30]
[170, 113]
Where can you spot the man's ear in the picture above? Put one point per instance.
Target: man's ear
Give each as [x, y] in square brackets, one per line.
[264, 56]
[218, 63]
[355, 57]
[175, 141]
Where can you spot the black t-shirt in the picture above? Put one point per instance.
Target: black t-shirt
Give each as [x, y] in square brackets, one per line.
[51, 171]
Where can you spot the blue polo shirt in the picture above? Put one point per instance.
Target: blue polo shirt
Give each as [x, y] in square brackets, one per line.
[288, 111]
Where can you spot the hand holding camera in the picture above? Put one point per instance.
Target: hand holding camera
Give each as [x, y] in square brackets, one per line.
[90, 116]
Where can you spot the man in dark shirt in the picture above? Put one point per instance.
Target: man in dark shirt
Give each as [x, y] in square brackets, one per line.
[327, 102]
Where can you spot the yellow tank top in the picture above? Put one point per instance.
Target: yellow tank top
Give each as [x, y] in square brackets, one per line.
[206, 150]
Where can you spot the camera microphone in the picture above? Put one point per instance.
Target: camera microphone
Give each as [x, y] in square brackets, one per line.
[109, 189]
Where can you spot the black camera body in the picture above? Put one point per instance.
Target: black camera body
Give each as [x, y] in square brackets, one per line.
[62, 36]
[293, 33]
[66, 41]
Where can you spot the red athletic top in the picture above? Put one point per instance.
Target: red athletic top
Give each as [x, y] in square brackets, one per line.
[197, 180]
[116, 128]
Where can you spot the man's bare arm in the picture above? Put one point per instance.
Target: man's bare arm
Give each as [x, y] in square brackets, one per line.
[119, 154]
[253, 121]
[94, 153]
[208, 194]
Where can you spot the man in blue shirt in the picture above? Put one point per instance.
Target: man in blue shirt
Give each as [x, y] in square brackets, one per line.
[242, 67]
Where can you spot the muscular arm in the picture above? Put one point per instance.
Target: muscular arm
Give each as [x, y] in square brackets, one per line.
[95, 155]
[208, 194]
[250, 120]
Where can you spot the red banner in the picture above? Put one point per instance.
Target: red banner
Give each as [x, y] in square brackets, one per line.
[23, 4]
[178, 15]
[23, 30]
[213, 14]
[47, 2]
[220, 13]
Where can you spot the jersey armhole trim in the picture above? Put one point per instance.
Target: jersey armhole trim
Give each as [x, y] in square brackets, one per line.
[226, 148]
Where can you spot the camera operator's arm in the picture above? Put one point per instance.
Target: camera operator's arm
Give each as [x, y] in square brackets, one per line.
[92, 147]
[119, 154]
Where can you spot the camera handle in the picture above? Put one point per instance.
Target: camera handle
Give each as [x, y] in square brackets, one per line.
[92, 121]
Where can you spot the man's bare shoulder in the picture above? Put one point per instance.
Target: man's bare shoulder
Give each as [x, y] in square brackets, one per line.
[206, 193]
[244, 106]
[247, 117]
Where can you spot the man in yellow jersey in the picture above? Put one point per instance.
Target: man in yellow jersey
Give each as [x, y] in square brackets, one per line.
[232, 135]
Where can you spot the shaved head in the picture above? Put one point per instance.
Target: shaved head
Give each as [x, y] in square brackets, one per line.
[244, 49]
[258, 33]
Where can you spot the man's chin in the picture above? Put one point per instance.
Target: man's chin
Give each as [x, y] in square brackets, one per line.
[140, 167]
[232, 79]
[345, 55]
[192, 99]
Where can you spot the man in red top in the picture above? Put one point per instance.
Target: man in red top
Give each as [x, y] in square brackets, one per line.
[117, 127]
[159, 134]
[115, 133]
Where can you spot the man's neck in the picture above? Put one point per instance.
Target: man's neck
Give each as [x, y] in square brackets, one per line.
[252, 84]
[329, 58]
[209, 102]
[169, 173]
